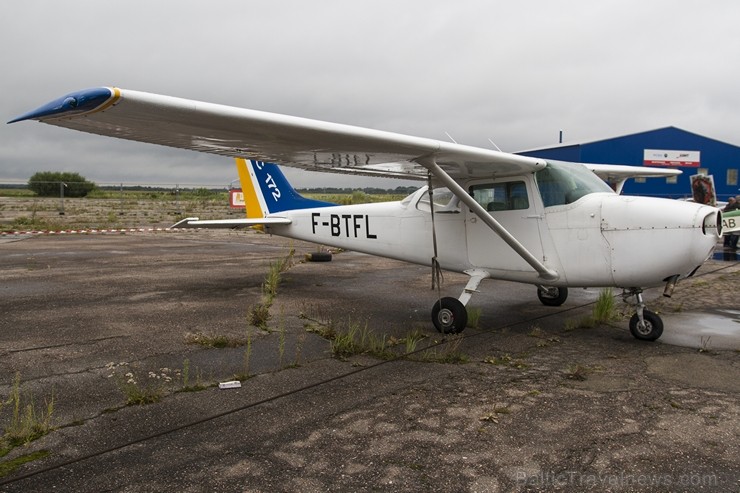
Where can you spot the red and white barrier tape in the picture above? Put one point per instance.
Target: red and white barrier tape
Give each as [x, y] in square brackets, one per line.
[95, 231]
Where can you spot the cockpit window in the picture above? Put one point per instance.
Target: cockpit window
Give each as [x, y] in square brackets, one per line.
[561, 184]
[504, 196]
[444, 201]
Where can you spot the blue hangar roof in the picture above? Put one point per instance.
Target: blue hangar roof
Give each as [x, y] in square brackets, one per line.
[677, 148]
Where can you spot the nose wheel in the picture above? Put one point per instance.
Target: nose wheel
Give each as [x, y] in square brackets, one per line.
[644, 324]
[649, 328]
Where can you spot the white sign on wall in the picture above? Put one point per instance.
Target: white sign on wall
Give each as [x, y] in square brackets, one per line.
[660, 157]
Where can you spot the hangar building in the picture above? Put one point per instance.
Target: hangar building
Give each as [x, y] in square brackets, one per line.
[671, 147]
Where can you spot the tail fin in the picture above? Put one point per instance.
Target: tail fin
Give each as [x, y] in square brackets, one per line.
[267, 191]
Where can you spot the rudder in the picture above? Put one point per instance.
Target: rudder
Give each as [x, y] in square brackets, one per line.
[267, 190]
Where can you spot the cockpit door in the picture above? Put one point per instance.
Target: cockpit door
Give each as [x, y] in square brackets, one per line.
[511, 202]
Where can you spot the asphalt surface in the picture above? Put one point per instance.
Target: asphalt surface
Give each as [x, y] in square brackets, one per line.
[539, 403]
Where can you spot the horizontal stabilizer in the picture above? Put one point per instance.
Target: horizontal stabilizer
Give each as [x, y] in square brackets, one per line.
[194, 222]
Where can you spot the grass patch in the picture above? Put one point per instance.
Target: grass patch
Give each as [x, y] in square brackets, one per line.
[493, 416]
[187, 386]
[213, 340]
[8, 467]
[706, 346]
[27, 423]
[577, 372]
[259, 315]
[359, 339]
[245, 375]
[506, 360]
[411, 341]
[447, 353]
[151, 388]
[605, 309]
[474, 314]
[274, 276]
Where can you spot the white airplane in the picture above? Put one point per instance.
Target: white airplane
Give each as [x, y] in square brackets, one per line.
[485, 213]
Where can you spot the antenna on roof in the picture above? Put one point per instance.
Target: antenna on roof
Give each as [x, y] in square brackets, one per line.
[450, 137]
[494, 145]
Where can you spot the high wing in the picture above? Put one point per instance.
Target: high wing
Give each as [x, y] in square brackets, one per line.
[291, 141]
[618, 174]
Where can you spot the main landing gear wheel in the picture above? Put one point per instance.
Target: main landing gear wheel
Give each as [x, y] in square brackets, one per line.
[449, 315]
[649, 329]
[552, 296]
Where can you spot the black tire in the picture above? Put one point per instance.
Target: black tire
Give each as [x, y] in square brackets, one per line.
[319, 257]
[651, 330]
[552, 296]
[449, 315]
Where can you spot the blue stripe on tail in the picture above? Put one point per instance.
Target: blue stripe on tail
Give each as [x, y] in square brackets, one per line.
[279, 195]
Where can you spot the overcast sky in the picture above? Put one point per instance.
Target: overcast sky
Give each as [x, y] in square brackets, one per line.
[514, 72]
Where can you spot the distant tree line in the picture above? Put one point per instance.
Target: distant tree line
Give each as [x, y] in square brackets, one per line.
[367, 190]
[54, 183]
[47, 183]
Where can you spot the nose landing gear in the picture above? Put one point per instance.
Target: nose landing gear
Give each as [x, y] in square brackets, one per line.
[644, 324]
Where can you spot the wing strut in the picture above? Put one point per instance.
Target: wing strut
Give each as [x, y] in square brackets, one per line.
[483, 215]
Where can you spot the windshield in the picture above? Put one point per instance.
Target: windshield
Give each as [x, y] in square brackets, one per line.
[564, 183]
[444, 201]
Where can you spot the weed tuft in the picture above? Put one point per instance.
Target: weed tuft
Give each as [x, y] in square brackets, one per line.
[506, 360]
[26, 423]
[7, 468]
[474, 314]
[448, 353]
[213, 340]
[605, 309]
[577, 372]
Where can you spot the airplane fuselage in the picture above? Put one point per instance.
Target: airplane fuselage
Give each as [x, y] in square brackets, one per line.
[601, 239]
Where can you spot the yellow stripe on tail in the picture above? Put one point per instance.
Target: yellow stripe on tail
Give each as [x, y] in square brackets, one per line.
[252, 203]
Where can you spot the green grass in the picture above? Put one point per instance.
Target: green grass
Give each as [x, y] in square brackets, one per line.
[447, 353]
[357, 339]
[27, 423]
[605, 309]
[16, 192]
[219, 341]
[274, 275]
[8, 467]
[356, 197]
[578, 372]
[474, 314]
[506, 360]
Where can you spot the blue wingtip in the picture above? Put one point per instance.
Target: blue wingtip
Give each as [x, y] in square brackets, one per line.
[72, 104]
